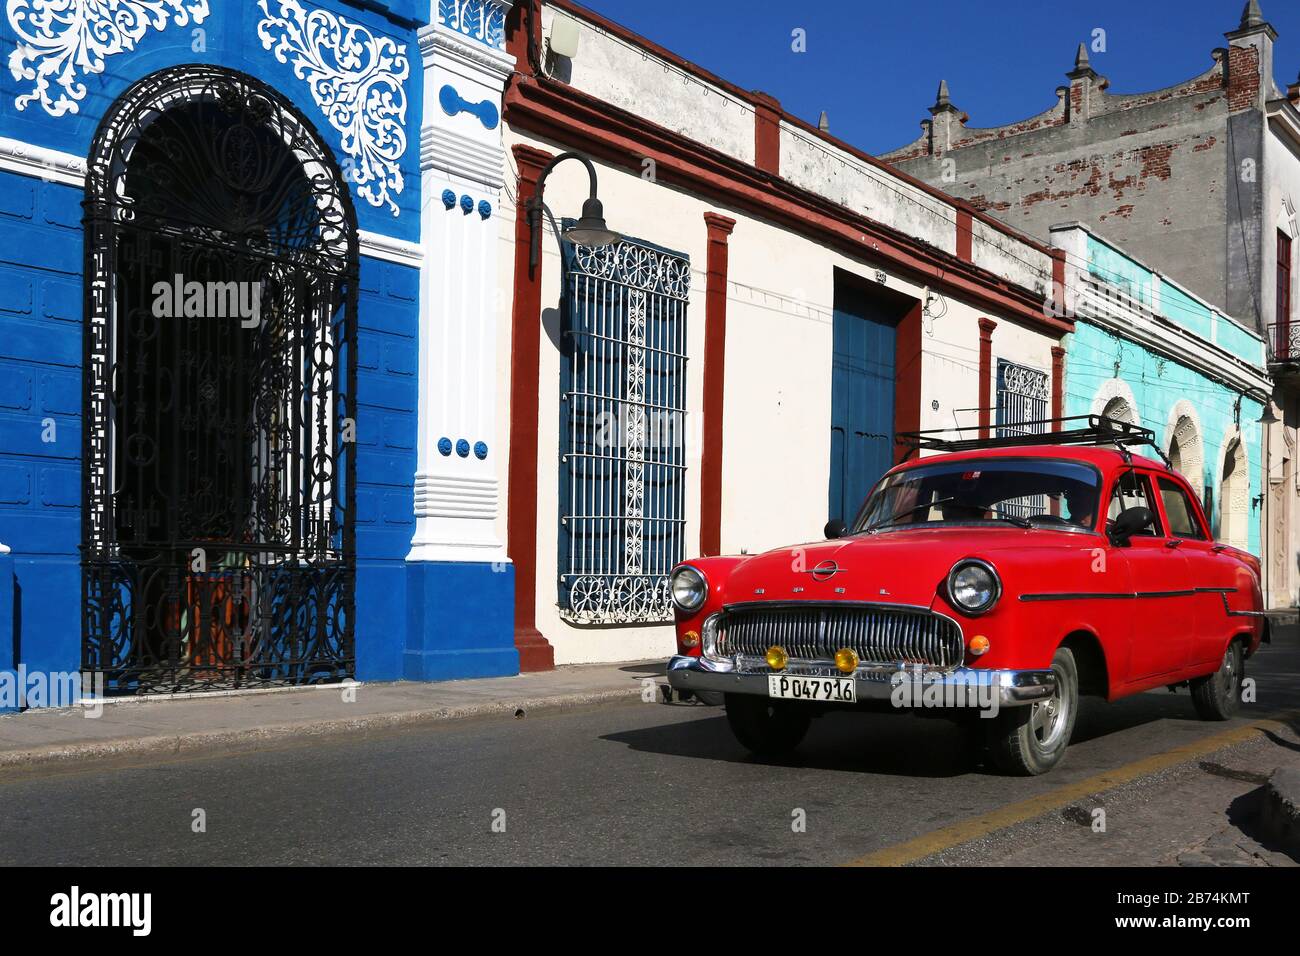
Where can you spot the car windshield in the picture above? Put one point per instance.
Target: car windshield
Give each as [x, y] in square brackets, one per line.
[1029, 492]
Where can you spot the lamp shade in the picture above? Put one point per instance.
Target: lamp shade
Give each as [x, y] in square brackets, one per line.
[590, 229]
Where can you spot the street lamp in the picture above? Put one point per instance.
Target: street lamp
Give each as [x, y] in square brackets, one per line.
[589, 230]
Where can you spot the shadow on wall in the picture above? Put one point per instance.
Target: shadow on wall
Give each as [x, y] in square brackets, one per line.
[551, 326]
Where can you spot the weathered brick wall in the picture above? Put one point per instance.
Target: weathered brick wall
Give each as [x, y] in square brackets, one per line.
[1150, 172]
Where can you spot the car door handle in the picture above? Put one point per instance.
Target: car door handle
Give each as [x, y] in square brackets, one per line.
[1219, 548]
[1173, 542]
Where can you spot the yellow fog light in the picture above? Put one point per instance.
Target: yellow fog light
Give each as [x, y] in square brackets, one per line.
[691, 639]
[777, 658]
[846, 659]
[979, 644]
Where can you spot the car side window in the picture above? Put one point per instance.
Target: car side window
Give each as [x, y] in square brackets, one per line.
[1179, 511]
[1133, 490]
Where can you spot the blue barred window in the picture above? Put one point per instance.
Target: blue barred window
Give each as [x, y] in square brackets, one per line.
[1023, 394]
[622, 431]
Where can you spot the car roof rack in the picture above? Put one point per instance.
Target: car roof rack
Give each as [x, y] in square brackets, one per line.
[1073, 430]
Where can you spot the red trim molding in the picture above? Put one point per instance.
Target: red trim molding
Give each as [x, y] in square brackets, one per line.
[1058, 385]
[1058, 381]
[965, 235]
[557, 112]
[715, 358]
[986, 375]
[767, 133]
[694, 69]
[907, 371]
[535, 652]
[1058, 282]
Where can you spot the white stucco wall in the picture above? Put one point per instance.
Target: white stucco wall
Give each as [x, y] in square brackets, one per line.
[822, 168]
[776, 454]
[614, 71]
[1010, 258]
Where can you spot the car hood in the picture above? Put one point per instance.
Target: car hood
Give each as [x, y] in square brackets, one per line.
[897, 567]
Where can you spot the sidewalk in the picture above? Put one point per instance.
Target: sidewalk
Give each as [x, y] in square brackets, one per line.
[248, 720]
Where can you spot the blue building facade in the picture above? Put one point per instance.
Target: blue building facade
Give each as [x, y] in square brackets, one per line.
[1147, 351]
[351, 75]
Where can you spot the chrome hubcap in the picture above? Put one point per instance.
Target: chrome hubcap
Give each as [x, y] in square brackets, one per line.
[1049, 718]
[1228, 672]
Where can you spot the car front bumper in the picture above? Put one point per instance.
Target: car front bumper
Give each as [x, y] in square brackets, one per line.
[907, 686]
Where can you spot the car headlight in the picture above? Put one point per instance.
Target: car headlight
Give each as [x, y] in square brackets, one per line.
[974, 586]
[689, 588]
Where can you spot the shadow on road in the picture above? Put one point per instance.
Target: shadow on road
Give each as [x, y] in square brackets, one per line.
[901, 745]
[891, 743]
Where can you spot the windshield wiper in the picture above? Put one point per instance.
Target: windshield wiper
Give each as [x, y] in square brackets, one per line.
[896, 519]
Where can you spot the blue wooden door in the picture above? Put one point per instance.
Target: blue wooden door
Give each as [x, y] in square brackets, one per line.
[862, 400]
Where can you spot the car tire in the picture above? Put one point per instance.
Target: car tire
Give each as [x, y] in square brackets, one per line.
[1028, 740]
[1217, 696]
[766, 727]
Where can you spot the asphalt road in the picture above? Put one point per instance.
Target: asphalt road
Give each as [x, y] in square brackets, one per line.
[626, 784]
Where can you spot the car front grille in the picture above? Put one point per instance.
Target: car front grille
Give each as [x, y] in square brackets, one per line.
[878, 634]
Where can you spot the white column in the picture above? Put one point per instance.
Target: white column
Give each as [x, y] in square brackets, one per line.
[461, 169]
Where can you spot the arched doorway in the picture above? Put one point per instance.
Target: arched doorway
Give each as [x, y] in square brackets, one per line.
[218, 541]
[1234, 494]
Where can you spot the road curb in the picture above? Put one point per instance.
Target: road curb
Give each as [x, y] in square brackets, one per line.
[255, 738]
[1280, 815]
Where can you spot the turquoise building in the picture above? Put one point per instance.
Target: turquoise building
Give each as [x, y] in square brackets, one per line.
[1147, 351]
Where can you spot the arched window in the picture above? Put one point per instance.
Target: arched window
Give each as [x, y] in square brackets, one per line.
[1234, 495]
[1186, 448]
[1114, 399]
[1119, 409]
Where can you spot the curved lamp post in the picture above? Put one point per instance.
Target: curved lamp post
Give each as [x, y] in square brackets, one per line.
[589, 230]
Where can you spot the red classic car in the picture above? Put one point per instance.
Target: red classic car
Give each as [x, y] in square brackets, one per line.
[999, 579]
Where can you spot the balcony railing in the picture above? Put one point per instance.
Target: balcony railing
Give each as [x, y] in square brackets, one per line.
[1284, 343]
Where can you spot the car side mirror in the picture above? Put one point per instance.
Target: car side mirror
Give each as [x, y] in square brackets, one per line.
[1131, 521]
[835, 528]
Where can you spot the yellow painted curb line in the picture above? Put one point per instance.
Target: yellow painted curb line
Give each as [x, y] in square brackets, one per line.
[947, 837]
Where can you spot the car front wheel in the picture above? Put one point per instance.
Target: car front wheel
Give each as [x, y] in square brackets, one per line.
[766, 727]
[1217, 696]
[1026, 741]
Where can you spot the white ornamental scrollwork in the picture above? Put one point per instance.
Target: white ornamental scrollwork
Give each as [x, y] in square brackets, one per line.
[482, 20]
[356, 78]
[637, 266]
[620, 599]
[65, 40]
[1020, 380]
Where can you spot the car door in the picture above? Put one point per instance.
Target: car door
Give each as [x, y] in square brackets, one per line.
[1209, 574]
[1163, 601]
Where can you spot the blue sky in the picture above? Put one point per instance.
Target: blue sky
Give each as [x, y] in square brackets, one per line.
[874, 65]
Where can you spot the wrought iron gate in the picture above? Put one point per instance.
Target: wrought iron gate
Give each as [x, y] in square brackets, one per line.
[220, 366]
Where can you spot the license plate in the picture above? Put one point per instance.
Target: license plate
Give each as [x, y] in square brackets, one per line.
[837, 689]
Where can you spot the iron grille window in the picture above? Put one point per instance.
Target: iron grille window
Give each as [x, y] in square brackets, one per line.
[1022, 397]
[622, 431]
